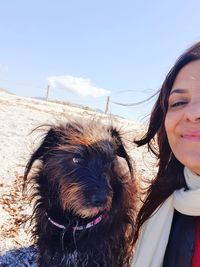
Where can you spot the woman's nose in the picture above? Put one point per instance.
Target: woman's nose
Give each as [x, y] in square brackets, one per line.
[192, 111]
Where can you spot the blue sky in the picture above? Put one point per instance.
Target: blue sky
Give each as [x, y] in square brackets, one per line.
[124, 47]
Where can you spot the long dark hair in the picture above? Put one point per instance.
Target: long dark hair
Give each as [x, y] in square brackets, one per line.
[170, 171]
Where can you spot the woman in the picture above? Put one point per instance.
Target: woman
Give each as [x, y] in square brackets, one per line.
[168, 223]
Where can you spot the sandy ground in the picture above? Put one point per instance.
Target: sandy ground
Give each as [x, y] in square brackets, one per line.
[18, 117]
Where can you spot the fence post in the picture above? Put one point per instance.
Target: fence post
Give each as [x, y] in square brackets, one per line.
[107, 104]
[47, 93]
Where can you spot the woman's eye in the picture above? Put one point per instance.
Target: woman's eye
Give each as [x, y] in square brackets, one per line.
[177, 104]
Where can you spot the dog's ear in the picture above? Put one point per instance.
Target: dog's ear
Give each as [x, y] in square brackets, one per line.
[49, 141]
[120, 149]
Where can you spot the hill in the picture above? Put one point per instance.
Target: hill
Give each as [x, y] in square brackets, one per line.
[19, 116]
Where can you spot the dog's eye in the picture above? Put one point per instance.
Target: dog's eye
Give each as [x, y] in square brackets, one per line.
[76, 160]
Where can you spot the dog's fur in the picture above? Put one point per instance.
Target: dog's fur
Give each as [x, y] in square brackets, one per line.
[84, 171]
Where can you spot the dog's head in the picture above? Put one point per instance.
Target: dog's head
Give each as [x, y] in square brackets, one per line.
[80, 167]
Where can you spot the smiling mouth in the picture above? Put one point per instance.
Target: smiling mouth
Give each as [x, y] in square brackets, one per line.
[191, 137]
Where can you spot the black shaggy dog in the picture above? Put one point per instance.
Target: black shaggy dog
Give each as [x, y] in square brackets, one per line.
[85, 197]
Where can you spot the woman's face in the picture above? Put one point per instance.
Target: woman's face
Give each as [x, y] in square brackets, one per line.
[182, 122]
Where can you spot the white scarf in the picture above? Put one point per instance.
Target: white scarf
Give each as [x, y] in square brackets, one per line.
[154, 235]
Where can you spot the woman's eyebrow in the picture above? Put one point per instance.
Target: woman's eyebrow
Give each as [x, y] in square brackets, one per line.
[178, 91]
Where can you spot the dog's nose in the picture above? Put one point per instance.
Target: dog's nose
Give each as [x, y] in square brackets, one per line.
[99, 199]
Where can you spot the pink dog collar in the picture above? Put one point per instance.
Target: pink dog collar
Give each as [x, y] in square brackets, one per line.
[79, 228]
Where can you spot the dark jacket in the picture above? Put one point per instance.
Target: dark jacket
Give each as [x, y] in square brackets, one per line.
[180, 246]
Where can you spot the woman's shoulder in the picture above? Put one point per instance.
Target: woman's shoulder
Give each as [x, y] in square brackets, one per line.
[180, 245]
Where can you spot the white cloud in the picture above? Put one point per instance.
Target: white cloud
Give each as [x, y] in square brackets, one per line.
[79, 85]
